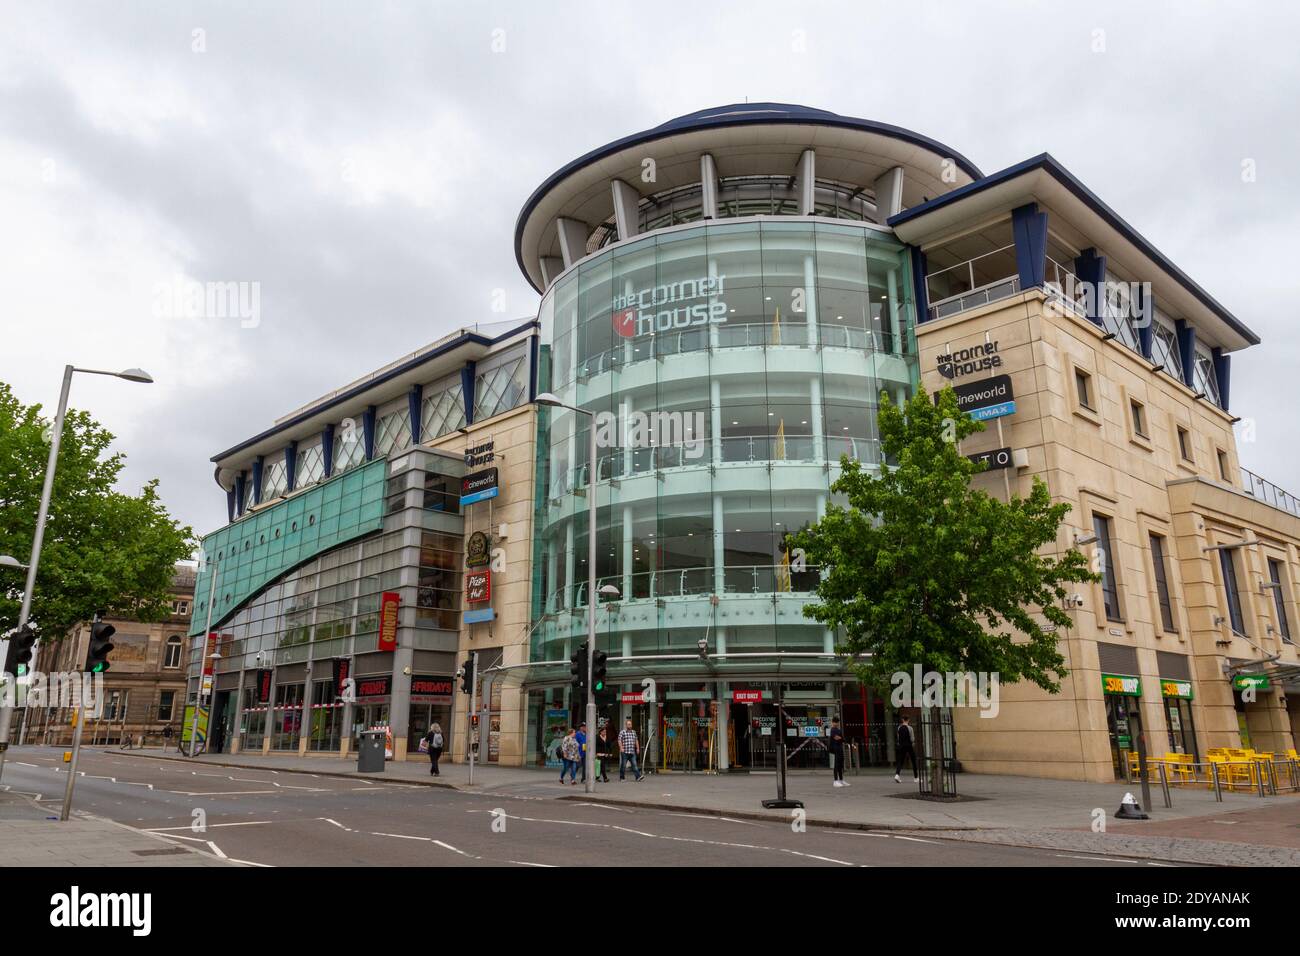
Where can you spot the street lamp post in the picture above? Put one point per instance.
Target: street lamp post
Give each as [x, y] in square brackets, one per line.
[589, 761]
[131, 375]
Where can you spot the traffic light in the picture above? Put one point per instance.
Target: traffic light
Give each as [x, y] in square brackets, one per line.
[598, 668]
[101, 635]
[20, 650]
[578, 670]
[467, 676]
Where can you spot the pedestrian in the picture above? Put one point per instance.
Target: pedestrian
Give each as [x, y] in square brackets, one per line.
[627, 751]
[604, 754]
[569, 751]
[836, 737]
[582, 749]
[435, 742]
[904, 738]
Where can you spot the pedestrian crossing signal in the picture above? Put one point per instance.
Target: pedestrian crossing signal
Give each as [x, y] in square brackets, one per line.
[100, 645]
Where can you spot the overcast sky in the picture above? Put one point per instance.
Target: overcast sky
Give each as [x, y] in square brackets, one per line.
[364, 164]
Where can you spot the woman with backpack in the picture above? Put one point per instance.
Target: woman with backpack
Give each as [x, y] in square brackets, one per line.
[434, 741]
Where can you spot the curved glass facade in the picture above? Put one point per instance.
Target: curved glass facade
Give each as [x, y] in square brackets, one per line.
[729, 366]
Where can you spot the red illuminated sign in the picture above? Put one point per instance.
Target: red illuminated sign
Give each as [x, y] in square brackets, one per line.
[478, 586]
[747, 696]
[388, 621]
[374, 687]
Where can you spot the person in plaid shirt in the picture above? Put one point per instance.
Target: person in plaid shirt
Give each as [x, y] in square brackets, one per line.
[627, 751]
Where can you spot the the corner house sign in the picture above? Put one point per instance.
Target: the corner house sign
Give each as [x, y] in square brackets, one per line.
[673, 305]
[1121, 684]
[988, 398]
[484, 453]
[978, 358]
[477, 550]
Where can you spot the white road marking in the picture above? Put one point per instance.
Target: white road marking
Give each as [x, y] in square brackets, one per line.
[549, 866]
[1108, 859]
[267, 866]
[217, 850]
[448, 846]
[676, 839]
[218, 793]
[337, 824]
[914, 839]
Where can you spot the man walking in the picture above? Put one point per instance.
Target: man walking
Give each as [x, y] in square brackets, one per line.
[582, 749]
[904, 739]
[836, 737]
[627, 750]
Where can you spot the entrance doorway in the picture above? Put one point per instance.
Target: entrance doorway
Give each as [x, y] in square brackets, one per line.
[222, 722]
[1124, 722]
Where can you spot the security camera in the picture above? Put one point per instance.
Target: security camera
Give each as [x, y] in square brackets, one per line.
[1076, 599]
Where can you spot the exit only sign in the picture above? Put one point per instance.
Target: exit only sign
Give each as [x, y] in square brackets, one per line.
[747, 696]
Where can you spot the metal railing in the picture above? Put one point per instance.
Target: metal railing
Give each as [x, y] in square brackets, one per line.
[1260, 775]
[737, 580]
[1269, 493]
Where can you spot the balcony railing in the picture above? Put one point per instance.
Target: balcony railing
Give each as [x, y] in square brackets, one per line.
[1269, 493]
[699, 581]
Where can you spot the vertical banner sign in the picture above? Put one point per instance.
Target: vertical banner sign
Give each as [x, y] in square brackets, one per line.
[342, 670]
[388, 621]
[478, 585]
[209, 665]
[264, 686]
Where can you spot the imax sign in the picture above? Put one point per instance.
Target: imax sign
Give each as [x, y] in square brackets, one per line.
[669, 306]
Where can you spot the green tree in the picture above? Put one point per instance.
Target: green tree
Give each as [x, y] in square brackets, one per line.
[104, 550]
[920, 568]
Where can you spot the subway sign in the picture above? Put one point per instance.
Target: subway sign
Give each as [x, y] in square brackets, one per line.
[670, 306]
[1125, 684]
[1250, 682]
[1181, 689]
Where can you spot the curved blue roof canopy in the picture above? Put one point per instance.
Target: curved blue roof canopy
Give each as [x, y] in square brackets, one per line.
[720, 117]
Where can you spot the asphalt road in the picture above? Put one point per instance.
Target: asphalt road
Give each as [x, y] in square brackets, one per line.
[280, 818]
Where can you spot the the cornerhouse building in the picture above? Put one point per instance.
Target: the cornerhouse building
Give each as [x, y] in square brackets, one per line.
[761, 272]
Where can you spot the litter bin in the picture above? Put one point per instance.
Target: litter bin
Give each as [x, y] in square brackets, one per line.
[370, 755]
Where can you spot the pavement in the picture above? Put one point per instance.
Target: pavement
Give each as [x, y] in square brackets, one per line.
[31, 835]
[1070, 816]
[284, 809]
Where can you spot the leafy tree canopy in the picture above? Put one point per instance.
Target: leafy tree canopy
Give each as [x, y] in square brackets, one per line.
[921, 568]
[104, 551]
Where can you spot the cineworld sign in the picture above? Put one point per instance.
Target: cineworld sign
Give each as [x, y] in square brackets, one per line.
[670, 306]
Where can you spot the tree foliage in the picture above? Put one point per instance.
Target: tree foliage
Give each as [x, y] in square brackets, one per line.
[921, 568]
[104, 551]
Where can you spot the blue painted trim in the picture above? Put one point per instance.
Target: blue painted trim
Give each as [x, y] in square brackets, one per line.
[1091, 269]
[533, 366]
[368, 430]
[1187, 350]
[1222, 374]
[290, 465]
[1048, 164]
[241, 485]
[345, 397]
[467, 390]
[920, 293]
[724, 117]
[1146, 310]
[1029, 229]
[413, 407]
[481, 616]
[257, 480]
[327, 448]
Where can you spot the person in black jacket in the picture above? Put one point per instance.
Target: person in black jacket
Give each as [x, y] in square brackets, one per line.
[904, 740]
[605, 754]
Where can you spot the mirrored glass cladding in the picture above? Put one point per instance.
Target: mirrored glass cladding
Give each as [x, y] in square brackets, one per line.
[728, 367]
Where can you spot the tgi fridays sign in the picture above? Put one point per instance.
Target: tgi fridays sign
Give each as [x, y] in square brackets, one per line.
[673, 305]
